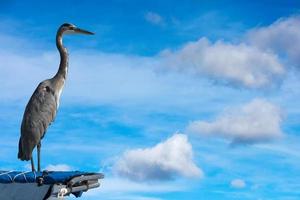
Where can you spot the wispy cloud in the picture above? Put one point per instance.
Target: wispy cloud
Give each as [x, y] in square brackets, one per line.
[51, 167]
[238, 183]
[117, 184]
[154, 18]
[59, 167]
[117, 188]
[256, 121]
[164, 161]
[212, 23]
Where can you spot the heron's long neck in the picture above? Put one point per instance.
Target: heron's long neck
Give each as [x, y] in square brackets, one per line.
[63, 66]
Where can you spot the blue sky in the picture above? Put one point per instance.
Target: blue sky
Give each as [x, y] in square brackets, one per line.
[171, 100]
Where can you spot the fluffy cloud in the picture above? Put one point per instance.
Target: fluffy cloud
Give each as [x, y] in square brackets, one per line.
[164, 161]
[254, 63]
[241, 64]
[154, 18]
[256, 121]
[238, 183]
[279, 37]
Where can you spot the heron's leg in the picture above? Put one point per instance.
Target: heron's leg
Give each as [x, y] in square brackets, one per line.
[39, 156]
[32, 165]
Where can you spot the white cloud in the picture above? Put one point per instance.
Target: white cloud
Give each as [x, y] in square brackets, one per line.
[259, 60]
[164, 161]
[116, 184]
[238, 183]
[256, 121]
[121, 189]
[27, 167]
[154, 18]
[59, 167]
[234, 63]
[280, 37]
[100, 77]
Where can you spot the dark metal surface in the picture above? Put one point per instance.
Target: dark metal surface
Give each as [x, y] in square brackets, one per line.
[55, 185]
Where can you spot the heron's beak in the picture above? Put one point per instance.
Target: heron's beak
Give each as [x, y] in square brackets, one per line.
[79, 30]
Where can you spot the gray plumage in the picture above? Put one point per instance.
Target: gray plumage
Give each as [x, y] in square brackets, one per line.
[44, 102]
[39, 113]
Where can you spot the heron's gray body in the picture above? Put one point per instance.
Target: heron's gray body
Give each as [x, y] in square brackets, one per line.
[43, 104]
[39, 113]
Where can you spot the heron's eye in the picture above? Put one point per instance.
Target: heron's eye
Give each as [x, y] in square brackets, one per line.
[47, 88]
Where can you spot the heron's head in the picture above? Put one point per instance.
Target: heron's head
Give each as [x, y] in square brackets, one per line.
[67, 28]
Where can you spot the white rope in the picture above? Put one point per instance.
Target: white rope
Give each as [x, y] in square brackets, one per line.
[22, 173]
[7, 173]
[34, 175]
[12, 179]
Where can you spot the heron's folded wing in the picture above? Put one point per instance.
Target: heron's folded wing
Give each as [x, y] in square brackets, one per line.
[40, 111]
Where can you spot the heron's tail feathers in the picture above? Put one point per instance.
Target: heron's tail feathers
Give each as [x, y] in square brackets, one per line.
[25, 150]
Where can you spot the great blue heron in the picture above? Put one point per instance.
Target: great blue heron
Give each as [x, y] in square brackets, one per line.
[43, 104]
